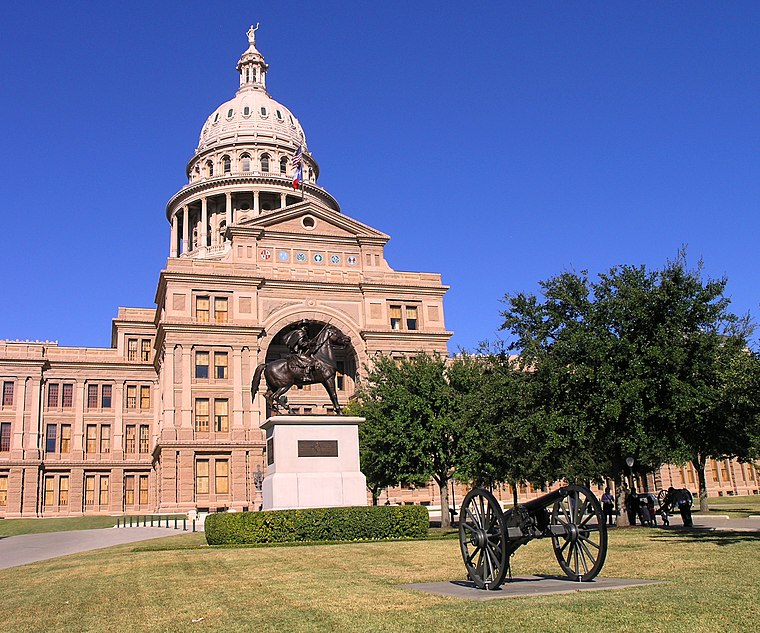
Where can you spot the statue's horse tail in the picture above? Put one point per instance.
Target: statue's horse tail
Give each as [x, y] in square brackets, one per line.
[256, 380]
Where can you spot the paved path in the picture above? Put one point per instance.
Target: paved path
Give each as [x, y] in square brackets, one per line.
[715, 522]
[30, 548]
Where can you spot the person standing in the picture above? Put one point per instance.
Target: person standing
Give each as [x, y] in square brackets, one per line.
[608, 505]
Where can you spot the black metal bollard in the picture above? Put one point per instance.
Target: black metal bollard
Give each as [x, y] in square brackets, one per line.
[175, 523]
[193, 525]
[130, 521]
[184, 524]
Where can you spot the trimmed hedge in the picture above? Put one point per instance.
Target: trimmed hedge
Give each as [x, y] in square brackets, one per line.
[317, 524]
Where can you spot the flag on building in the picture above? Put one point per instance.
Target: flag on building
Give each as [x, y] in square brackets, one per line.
[296, 164]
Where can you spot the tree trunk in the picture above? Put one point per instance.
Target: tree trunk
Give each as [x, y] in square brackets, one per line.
[699, 463]
[514, 495]
[443, 487]
[375, 494]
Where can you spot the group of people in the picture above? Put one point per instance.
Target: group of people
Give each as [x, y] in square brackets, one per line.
[643, 507]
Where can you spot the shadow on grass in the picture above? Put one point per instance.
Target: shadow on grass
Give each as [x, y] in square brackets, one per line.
[722, 537]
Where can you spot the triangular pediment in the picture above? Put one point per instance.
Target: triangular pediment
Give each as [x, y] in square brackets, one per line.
[310, 221]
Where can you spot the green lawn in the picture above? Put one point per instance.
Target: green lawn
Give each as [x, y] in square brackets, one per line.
[734, 506]
[176, 584]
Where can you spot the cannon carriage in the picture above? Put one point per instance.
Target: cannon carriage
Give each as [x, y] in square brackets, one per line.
[571, 517]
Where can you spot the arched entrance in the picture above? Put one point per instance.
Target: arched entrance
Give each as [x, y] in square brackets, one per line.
[313, 399]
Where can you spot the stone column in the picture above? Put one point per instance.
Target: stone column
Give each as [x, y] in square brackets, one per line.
[185, 229]
[204, 223]
[256, 203]
[77, 432]
[173, 245]
[186, 425]
[228, 208]
[283, 200]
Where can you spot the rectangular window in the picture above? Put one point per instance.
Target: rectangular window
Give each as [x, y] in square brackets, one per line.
[92, 396]
[49, 490]
[105, 438]
[3, 491]
[144, 396]
[411, 317]
[221, 477]
[145, 350]
[220, 365]
[68, 396]
[144, 438]
[201, 364]
[129, 490]
[53, 396]
[131, 396]
[201, 309]
[89, 490]
[221, 416]
[395, 316]
[104, 490]
[50, 438]
[5, 437]
[201, 415]
[220, 309]
[714, 468]
[132, 349]
[65, 438]
[143, 490]
[129, 442]
[106, 400]
[63, 490]
[92, 438]
[724, 470]
[201, 477]
[7, 394]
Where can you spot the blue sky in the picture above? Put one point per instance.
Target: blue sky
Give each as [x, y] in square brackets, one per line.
[498, 143]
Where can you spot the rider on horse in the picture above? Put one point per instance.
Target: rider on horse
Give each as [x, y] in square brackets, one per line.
[300, 345]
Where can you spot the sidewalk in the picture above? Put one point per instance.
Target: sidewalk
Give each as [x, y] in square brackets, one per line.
[713, 522]
[30, 548]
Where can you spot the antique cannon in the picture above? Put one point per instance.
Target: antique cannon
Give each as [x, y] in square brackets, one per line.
[571, 517]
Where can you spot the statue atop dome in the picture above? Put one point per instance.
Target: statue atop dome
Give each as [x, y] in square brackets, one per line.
[252, 34]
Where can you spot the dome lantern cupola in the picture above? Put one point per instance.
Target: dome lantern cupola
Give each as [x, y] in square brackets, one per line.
[251, 65]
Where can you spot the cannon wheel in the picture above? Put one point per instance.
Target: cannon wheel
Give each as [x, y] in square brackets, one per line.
[581, 550]
[482, 537]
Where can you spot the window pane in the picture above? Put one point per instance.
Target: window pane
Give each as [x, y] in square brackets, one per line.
[92, 438]
[53, 395]
[395, 316]
[143, 489]
[201, 309]
[201, 476]
[63, 490]
[201, 364]
[129, 490]
[221, 418]
[92, 396]
[3, 490]
[144, 397]
[65, 438]
[105, 438]
[89, 490]
[130, 439]
[220, 365]
[5, 436]
[411, 317]
[103, 490]
[144, 438]
[220, 309]
[106, 401]
[131, 396]
[68, 396]
[201, 415]
[145, 350]
[221, 472]
[7, 394]
[49, 490]
[50, 437]
[132, 349]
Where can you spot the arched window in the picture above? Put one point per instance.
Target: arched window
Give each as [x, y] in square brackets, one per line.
[265, 162]
[283, 165]
[210, 168]
[245, 162]
[263, 111]
[246, 111]
[226, 164]
[279, 114]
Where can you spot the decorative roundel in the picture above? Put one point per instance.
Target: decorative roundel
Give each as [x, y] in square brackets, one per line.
[283, 256]
[351, 260]
[266, 254]
[300, 257]
[318, 258]
[335, 259]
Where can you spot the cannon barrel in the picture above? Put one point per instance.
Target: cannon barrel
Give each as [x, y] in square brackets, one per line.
[545, 500]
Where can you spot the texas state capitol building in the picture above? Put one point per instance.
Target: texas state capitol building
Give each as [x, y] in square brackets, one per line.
[163, 420]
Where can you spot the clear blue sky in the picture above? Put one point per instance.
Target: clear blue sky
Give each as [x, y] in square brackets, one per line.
[498, 143]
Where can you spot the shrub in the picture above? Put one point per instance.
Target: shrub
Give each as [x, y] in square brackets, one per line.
[317, 524]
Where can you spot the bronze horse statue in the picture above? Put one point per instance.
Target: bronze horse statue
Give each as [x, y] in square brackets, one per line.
[283, 373]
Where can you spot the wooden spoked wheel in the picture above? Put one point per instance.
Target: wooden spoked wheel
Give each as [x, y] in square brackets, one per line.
[482, 537]
[582, 548]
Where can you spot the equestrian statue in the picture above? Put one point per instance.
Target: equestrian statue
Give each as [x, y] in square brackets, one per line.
[310, 361]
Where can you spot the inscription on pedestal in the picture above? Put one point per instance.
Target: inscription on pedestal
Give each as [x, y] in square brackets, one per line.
[270, 451]
[317, 448]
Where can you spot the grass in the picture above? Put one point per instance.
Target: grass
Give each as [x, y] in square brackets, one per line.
[176, 584]
[14, 527]
[735, 507]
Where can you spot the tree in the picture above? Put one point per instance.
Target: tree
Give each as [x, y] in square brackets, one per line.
[413, 423]
[630, 365]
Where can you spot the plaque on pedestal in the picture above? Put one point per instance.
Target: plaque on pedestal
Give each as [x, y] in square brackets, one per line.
[313, 462]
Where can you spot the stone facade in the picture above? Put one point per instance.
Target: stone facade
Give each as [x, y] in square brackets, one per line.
[163, 421]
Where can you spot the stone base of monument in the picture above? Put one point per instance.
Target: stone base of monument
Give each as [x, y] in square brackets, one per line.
[312, 462]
